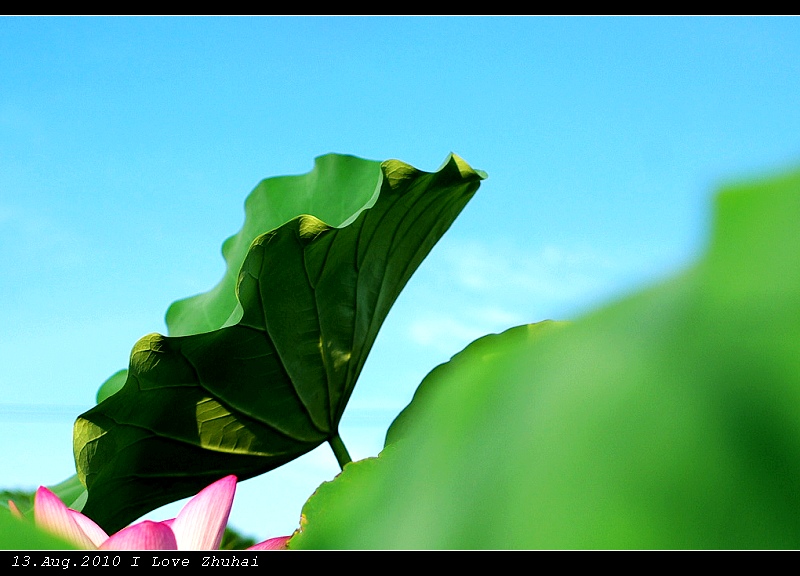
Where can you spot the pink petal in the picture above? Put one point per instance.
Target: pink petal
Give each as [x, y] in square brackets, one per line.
[278, 543]
[146, 535]
[14, 510]
[201, 523]
[51, 514]
[96, 534]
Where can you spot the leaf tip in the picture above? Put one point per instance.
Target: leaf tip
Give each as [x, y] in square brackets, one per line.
[464, 169]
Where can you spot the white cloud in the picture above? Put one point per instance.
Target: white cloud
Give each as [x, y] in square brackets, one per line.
[452, 329]
[476, 288]
[549, 274]
[495, 315]
[442, 332]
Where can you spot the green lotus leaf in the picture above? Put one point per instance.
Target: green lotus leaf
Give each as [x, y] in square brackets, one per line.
[272, 203]
[668, 419]
[250, 396]
[335, 191]
[475, 358]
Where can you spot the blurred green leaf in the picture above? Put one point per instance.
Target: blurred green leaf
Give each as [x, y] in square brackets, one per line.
[22, 534]
[669, 419]
[71, 492]
[479, 355]
[23, 499]
[246, 398]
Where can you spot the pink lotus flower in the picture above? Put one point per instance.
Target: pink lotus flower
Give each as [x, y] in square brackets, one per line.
[198, 526]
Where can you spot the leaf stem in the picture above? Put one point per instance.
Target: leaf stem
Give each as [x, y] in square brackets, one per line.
[339, 450]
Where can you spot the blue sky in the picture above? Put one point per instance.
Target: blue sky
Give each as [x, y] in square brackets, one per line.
[128, 146]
